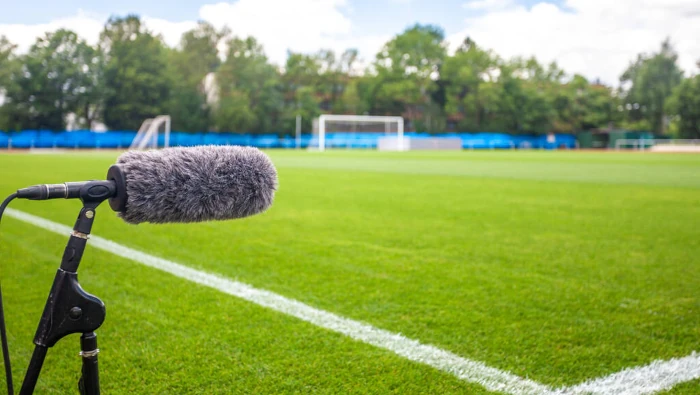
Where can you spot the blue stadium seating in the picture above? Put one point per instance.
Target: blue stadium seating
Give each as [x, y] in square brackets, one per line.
[122, 139]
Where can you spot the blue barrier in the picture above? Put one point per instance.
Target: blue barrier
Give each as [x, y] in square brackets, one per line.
[122, 139]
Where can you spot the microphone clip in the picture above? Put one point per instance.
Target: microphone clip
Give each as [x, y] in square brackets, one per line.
[118, 201]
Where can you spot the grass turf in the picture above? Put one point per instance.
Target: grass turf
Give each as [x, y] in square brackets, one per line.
[557, 266]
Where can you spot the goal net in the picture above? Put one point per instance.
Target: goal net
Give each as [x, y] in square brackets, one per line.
[354, 131]
[148, 134]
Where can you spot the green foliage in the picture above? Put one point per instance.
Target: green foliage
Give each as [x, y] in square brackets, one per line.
[246, 78]
[8, 66]
[198, 54]
[188, 108]
[350, 102]
[650, 80]
[6, 61]
[317, 83]
[137, 80]
[196, 57]
[302, 89]
[131, 75]
[235, 112]
[523, 106]
[407, 71]
[467, 76]
[685, 104]
[418, 51]
[580, 105]
[55, 78]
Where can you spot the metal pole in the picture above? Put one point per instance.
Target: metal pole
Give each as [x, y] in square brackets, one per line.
[298, 134]
[321, 133]
[89, 383]
[34, 369]
[167, 132]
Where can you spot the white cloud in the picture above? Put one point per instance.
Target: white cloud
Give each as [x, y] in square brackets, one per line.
[596, 38]
[87, 26]
[489, 5]
[280, 25]
[170, 31]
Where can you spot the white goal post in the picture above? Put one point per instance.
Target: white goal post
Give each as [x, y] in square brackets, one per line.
[388, 125]
[147, 136]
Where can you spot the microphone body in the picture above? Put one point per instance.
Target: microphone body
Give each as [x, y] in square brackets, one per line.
[181, 184]
[68, 190]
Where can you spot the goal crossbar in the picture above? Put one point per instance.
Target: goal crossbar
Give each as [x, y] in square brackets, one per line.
[357, 118]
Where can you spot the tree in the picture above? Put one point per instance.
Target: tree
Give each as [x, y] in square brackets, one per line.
[53, 81]
[196, 57]
[521, 106]
[685, 104]
[90, 105]
[335, 74]
[132, 75]
[580, 105]
[8, 65]
[6, 58]
[350, 102]
[347, 98]
[648, 82]
[235, 113]
[247, 73]
[464, 75]
[407, 69]
[516, 97]
[137, 78]
[198, 54]
[303, 87]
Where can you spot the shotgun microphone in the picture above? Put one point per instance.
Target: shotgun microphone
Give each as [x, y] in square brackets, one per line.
[182, 184]
[171, 185]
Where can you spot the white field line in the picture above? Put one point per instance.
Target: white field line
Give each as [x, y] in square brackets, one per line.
[655, 377]
[659, 375]
[465, 369]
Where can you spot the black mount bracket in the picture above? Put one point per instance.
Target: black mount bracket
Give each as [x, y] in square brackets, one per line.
[69, 309]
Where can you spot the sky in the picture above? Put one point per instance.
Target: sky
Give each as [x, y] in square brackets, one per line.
[595, 38]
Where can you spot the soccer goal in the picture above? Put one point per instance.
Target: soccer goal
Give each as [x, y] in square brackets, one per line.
[354, 131]
[147, 136]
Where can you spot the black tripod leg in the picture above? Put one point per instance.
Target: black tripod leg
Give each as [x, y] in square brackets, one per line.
[90, 380]
[33, 370]
[5, 350]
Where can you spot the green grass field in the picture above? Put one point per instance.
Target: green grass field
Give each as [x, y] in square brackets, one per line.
[555, 266]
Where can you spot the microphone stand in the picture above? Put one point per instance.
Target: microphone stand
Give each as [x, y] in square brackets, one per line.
[69, 309]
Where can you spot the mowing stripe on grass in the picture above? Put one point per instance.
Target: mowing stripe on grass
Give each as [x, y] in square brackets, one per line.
[657, 376]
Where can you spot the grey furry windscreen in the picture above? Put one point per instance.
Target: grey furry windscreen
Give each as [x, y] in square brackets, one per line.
[192, 184]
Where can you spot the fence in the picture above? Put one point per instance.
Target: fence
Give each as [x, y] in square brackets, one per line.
[83, 139]
[685, 145]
